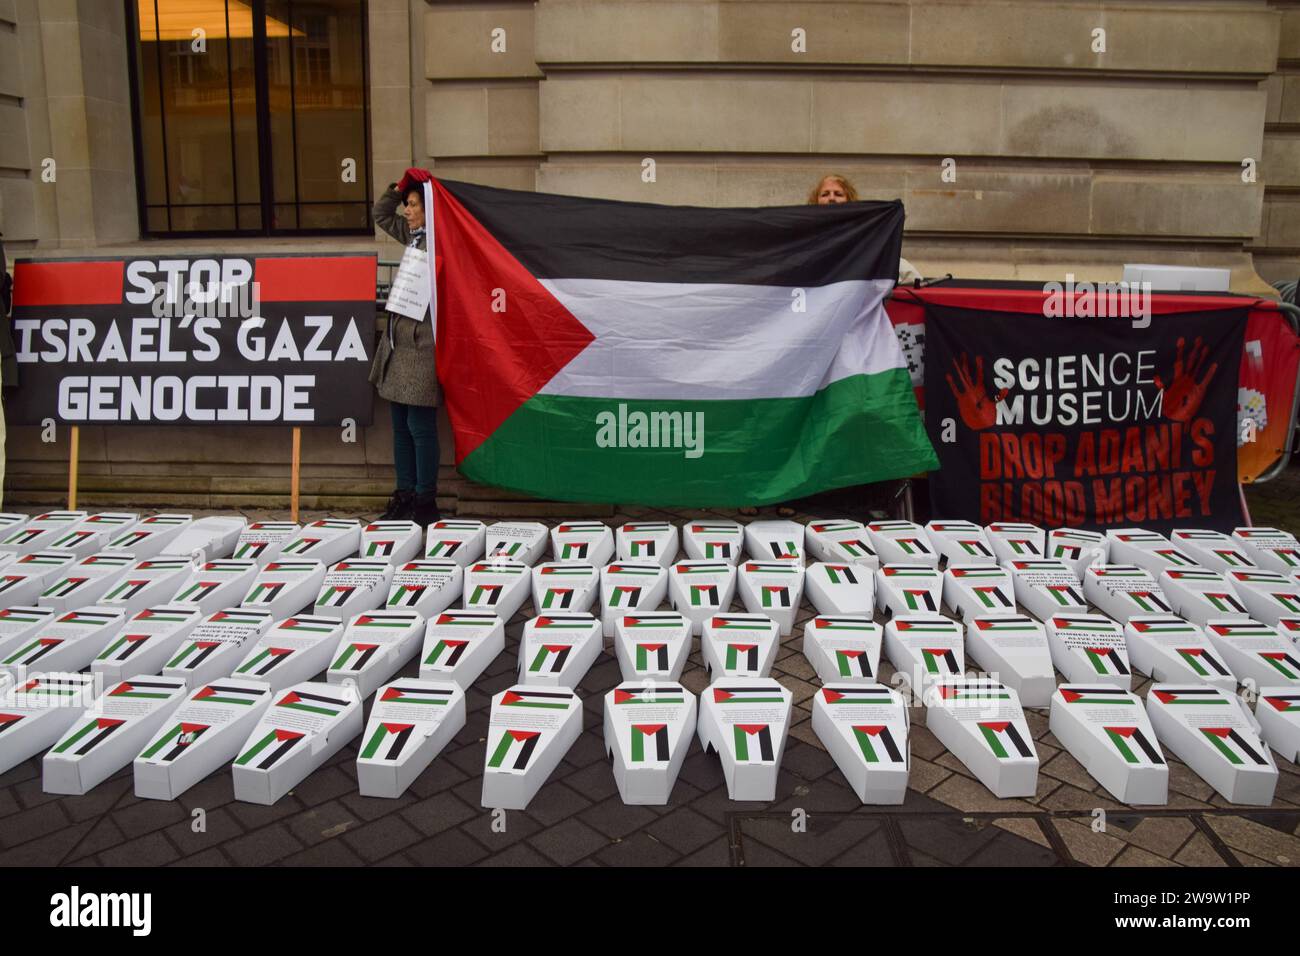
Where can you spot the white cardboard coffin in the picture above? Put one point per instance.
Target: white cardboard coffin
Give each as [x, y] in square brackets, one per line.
[95, 532]
[1278, 712]
[971, 590]
[865, 730]
[9, 523]
[459, 645]
[773, 588]
[1121, 590]
[1170, 649]
[410, 722]
[925, 648]
[19, 624]
[775, 540]
[557, 650]
[840, 542]
[909, 588]
[523, 541]
[426, 587]
[713, 540]
[630, 587]
[1211, 549]
[151, 536]
[329, 541]
[1209, 729]
[1146, 549]
[582, 542]
[1089, 649]
[648, 728]
[1016, 541]
[217, 644]
[652, 645]
[564, 587]
[647, 541]
[500, 586]
[1013, 648]
[739, 645]
[1046, 586]
[24, 579]
[67, 642]
[530, 730]
[1199, 594]
[1106, 729]
[38, 533]
[745, 721]
[109, 733]
[202, 736]
[1269, 548]
[455, 539]
[306, 725]
[843, 649]
[901, 542]
[699, 589]
[981, 722]
[262, 541]
[145, 642]
[36, 713]
[294, 650]
[146, 583]
[208, 539]
[285, 586]
[841, 588]
[374, 647]
[960, 542]
[393, 541]
[352, 586]
[215, 584]
[1255, 652]
[85, 582]
[1267, 595]
[1289, 627]
[1078, 549]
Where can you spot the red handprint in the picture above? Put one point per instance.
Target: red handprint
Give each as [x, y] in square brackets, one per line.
[1184, 393]
[978, 411]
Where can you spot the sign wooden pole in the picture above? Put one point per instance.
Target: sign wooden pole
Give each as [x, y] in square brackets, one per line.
[73, 453]
[295, 473]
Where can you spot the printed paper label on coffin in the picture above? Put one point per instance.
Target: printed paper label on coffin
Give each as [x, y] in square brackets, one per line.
[1089, 648]
[217, 644]
[1013, 648]
[217, 584]
[353, 586]
[262, 541]
[523, 541]
[1269, 548]
[739, 645]
[1046, 586]
[1121, 590]
[425, 587]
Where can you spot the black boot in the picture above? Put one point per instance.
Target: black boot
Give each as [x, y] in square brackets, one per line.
[425, 511]
[400, 506]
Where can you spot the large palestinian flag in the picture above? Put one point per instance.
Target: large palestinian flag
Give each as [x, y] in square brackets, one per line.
[592, 350]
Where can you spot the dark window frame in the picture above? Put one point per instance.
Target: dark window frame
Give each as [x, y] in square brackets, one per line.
[266, 200]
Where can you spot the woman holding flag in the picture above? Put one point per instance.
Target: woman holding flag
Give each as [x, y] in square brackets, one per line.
[403, 371]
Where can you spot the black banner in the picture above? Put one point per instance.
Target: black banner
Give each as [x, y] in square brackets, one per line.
[1084, 422]
[204, 339]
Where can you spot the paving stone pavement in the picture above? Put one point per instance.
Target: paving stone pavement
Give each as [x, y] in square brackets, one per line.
[947, 819]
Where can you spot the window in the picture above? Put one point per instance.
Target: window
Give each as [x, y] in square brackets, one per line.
[250, 116]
